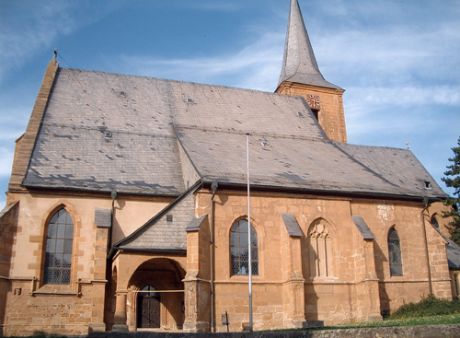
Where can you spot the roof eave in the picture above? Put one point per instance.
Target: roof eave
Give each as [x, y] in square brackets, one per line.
[337, 193]
[45, 187]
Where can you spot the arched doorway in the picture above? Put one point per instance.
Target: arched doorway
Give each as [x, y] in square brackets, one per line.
[148, 308]
[156, 295]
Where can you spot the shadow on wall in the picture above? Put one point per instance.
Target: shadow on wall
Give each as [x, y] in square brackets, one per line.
[165, 276]
[117, 231]
[311, 298]
[380, 262]
[8, 229]
[110, 299]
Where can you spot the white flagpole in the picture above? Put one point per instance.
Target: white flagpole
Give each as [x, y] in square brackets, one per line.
[249, 236]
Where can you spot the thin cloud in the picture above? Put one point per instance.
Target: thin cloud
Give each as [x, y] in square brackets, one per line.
[215, 5]
[6, 156]
[47, 21]
[255, 66]
[391, 55]
[407, 95]
[14, 116]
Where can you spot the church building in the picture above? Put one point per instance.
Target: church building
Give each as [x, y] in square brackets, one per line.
[127, 208]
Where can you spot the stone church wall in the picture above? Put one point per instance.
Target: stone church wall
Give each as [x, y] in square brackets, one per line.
[408, 219]
[357, 286]
[330, 273]
[71, 308]
[8, 228]
[327, 102]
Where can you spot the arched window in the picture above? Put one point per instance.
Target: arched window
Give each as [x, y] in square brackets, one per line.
[58, 255]
[239, 248]
[394, 253]
[434, 221]
[320, 250]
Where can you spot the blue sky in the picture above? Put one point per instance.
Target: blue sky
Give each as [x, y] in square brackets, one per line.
[398, 61]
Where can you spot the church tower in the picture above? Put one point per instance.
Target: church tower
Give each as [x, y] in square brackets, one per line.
[300, 76]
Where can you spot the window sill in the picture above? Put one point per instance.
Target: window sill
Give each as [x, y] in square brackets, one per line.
[58, 290]
[320, 280]
[245, 277]
[56, 293]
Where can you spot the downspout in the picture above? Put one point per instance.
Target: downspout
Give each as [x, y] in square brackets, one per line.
[214, 186]
[426, 204]
[108, 267]
[113, 196]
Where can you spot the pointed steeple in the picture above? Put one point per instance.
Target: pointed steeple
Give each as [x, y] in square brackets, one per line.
[299, 63]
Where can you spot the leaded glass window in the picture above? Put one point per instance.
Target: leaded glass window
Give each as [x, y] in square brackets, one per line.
[394, 252]
[239, 249]
[58, 255]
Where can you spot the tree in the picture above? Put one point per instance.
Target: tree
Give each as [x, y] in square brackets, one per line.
[452, 180]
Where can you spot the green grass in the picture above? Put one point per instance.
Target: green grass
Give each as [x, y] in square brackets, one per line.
[429, 306]
[428, 311]
[412, 321]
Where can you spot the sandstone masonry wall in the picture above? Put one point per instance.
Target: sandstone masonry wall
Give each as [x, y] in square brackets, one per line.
[329, 104]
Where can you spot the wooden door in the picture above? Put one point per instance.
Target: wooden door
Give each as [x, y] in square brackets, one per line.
[148, 309]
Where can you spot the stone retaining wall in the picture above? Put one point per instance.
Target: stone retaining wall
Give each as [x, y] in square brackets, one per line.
[432, 331]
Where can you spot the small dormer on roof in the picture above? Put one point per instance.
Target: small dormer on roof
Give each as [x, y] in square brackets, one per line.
[299, 63]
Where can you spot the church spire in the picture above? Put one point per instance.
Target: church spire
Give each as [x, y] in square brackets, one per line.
[299, 64]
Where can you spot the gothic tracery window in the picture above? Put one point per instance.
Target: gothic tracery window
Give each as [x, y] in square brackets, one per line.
[320, 250]
[394, 253]
[239, 249]
[58, 252]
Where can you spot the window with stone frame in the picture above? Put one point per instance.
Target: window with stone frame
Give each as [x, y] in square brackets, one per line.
[239, 249]
[320, 250]
[58, 248]
[394, 253]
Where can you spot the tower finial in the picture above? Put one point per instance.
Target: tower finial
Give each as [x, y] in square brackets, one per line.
[299, 63]
[55, 53]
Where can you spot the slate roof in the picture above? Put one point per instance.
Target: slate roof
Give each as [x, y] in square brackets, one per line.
[299, 62]
[166, 231]
[102, 132]
[302, 163]
[108, 131]
[397, 166]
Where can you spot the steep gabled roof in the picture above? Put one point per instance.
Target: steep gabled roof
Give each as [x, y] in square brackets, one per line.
[315, 165]
[299, 62]
[163, 234]
[104, 132]
[397, 166]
